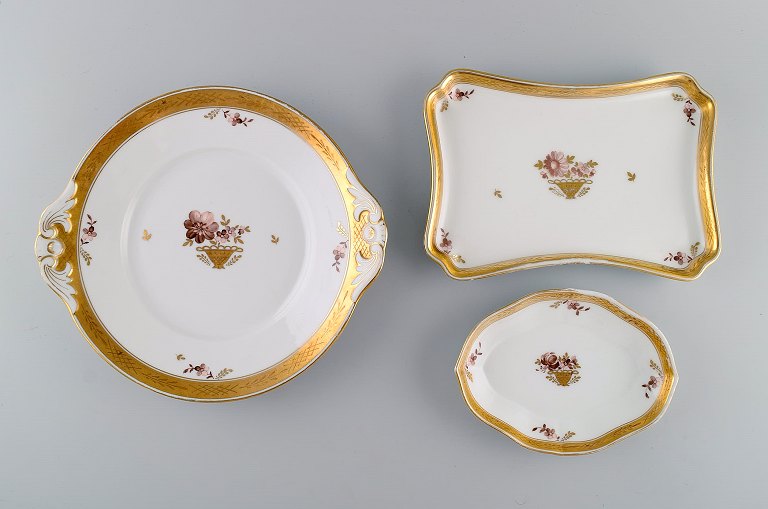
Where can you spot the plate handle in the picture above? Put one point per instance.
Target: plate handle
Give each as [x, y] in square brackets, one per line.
[370, 218]
[50, 247]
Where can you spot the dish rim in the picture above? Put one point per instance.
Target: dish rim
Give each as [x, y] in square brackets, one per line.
[60, 266]
[617, 434]
[704, 157]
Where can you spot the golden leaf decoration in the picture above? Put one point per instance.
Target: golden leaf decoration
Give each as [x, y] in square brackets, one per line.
[146, 235]
[631, 176]
[342, 231]
[275, 239]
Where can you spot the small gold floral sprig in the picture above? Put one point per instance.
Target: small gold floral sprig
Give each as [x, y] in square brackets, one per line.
[654, 381]
[472, 360]
[552, 435]
[212, 114]
[571, 304]
[683, 258]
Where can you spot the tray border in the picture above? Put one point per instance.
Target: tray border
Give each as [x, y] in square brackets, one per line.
[705, 177]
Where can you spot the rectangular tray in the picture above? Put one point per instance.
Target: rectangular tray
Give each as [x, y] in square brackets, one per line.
[529, 174]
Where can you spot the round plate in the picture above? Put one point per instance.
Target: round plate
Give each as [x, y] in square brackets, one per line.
[567, 371]
[212, 244]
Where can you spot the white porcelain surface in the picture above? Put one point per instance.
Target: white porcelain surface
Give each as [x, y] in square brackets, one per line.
[157, 296]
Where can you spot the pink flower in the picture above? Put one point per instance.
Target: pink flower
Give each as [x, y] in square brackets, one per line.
[338, 254]
[549, 360]
[679, 257]
[235, 119]
[583, 170]
[473, 357]
[653, 382]
[201, 370]
[556, 164]
[201, 226]
[88, 235]
[445, 242]
[568, 361]
[458, 95]
[224, 234]
[689, 110]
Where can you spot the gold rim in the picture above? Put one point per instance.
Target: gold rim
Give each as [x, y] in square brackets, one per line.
[705, 183]
[573, 447]
[88, 170]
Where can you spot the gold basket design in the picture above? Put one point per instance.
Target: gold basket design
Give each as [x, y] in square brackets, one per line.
[219, 254]
[570, 187]
[563, 377]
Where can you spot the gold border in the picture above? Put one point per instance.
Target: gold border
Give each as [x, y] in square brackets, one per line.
[706, 191]
[573, 447]
[86, 173]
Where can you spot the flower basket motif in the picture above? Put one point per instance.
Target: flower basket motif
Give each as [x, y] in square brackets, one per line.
[569, 178]
[220, 249]
[562, 370]
[563, 377]
[570, 187]
[219, 256]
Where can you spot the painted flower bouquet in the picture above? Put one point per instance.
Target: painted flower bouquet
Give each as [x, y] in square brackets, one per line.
[566, 173]
[562, 370]
[221, 243]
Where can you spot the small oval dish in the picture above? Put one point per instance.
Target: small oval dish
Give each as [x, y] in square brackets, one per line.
[212, 244]
[528, 174]
[566, 371]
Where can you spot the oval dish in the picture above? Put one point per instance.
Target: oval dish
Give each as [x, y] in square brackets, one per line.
[212, 244]
[566, 371]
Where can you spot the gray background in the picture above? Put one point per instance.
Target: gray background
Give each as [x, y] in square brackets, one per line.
[378, 421]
